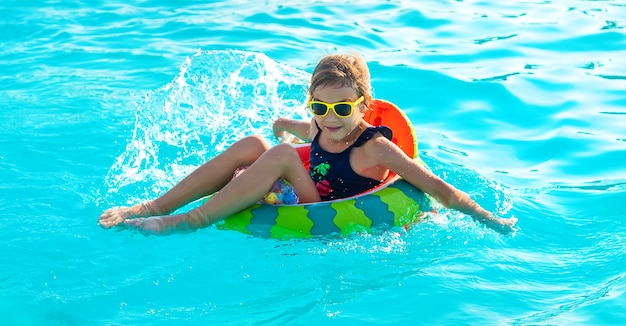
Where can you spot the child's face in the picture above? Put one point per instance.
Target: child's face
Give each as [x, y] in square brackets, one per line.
[337, 128]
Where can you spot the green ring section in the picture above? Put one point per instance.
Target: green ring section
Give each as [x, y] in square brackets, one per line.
[349, 218]
[238, 221]
[292, 222]
[407, 202]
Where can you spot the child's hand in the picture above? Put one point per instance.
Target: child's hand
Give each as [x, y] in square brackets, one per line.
[277, 128]
[285, 137]
[114, 216]
[502, 225]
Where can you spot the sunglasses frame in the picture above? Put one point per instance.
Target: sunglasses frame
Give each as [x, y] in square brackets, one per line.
[331, 106]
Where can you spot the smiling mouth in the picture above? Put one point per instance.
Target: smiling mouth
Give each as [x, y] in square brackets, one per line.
[333, 129]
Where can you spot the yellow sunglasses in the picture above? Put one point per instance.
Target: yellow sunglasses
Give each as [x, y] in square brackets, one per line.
[341, 109]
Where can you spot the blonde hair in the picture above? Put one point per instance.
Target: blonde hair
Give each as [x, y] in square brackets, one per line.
[343, 70]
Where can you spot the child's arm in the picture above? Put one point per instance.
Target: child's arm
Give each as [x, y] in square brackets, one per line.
[283, 127]
[391, 156]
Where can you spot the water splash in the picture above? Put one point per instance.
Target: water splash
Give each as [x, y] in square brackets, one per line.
[493, 196]
[217, 98]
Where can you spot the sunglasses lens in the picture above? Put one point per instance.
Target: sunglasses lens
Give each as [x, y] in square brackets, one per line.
[343, 110]
[319, 108]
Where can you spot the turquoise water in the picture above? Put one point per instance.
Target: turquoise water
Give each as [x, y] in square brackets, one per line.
[521, 104]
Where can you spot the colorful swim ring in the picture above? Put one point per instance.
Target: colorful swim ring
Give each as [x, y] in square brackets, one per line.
[394, 203]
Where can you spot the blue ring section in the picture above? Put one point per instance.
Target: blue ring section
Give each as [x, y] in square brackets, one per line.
[322, 217]
[377, 211]
[263, 219]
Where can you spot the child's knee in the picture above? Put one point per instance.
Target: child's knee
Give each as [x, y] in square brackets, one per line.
[254, 145]
[286, 151]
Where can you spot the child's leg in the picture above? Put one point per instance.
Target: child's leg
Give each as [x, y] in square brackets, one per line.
[281, 161]
[205, 180]
[213, 175]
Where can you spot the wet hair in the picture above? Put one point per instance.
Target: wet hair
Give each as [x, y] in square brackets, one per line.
[343, 70]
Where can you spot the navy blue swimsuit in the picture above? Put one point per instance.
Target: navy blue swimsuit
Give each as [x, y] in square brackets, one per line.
[332, 173]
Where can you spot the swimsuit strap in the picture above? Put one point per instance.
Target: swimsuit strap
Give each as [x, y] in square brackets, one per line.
[370, 132]
[318, 126]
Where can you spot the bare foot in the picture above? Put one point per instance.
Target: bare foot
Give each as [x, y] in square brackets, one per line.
[147, 226]
[114, 216]
[161, 225]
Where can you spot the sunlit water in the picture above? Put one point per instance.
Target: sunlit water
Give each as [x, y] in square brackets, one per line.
[520, 104]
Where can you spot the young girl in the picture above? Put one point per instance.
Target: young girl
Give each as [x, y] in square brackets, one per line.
[355, 155]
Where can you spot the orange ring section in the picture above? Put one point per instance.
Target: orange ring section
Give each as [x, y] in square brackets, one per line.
[386, 113]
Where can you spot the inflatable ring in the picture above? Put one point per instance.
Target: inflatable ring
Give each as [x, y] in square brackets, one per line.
[394, 203]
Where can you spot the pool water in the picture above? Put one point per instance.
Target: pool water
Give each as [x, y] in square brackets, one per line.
[520, 104]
